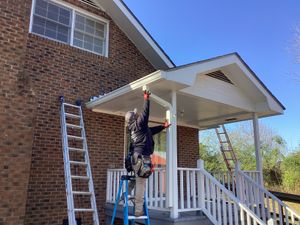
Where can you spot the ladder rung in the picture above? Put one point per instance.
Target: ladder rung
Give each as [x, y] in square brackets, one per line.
[73, 126]
[137, 218]
[72, 115]
[78, 163]
[81, 193]
[75, 137]
[80, 177]
[76, 149]
[83, 210]
[74, 106]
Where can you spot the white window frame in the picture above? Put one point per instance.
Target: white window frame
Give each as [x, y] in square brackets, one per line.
[74, 10]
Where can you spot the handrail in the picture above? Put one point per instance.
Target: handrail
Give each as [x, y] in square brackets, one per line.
[245, 214]
[253, 194]
[199, 190]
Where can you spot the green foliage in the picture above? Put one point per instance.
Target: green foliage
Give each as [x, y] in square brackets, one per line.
[213, 160]
[272, 146]
[291, 171]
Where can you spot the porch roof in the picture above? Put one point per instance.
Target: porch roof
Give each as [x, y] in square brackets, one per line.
[210, 92]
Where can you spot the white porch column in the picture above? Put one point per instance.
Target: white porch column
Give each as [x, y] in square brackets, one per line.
[173, 152]
[169, 171]
[258, 153]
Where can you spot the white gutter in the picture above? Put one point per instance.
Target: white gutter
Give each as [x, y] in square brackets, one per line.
[155, 76]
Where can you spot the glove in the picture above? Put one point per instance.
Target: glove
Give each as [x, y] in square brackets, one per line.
[146, 94]
[166, 124]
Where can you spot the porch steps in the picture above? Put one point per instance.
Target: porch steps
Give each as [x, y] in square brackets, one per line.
[162, 217]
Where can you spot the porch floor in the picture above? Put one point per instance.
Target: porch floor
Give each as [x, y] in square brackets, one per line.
[158, 217]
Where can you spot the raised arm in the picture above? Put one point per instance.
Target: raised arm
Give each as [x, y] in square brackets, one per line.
[144, 117]
[159, 128]
[156, 129]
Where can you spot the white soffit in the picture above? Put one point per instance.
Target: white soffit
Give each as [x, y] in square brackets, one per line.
[136, 32]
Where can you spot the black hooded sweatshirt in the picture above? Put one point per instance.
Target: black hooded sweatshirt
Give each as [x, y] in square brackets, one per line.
[141, 135]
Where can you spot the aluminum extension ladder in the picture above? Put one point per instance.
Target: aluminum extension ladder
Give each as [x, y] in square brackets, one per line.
[226, 148]
[71, 121]
[124, 181]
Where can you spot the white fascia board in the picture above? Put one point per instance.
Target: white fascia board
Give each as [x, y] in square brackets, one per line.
[142, 31]
[157, 75]
[272, 103]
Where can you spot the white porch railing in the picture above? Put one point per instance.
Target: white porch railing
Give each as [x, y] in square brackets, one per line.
[155, 187]
[262, 202]
[253, 174]
[228, 180]
[199, 190]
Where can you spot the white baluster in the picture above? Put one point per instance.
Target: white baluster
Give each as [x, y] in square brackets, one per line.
[155, 189]
[160, 187]
[151, 190]
[181, 190]
[193, 178]
[188, 189]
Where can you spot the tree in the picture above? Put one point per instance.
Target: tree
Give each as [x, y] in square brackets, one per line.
[241, 136]
[213, 160]
[291, 169]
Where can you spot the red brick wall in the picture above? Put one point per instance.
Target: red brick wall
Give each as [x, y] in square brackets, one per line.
[16, 111]
[57, 69]
[188, 147]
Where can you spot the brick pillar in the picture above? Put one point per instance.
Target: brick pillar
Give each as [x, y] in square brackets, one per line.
[188, 147]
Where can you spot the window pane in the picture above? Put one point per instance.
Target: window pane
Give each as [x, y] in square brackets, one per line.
[79, 26]
[53, 12]
[78, 43]
[41, 3]
[79, 19]
[90, 26]
[99, 34]
[51, 29]
[64, 16]
[98, 49]
[38, 25]
[88, 46]
[41, 11]
[63, 34]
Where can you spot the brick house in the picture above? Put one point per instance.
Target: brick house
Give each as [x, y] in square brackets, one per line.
[83, 48]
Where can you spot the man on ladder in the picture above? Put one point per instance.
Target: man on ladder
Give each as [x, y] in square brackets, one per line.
[142, 145]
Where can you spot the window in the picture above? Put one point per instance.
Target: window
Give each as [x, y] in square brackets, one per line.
[89, 34]
[62, 23]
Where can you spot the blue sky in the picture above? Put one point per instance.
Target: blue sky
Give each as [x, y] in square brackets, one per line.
[262, 32]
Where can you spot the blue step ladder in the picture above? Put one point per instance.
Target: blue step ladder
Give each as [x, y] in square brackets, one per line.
[124, 181]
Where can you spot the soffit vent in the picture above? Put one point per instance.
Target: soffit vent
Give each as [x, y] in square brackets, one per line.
[220, 76]
[91, 3]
